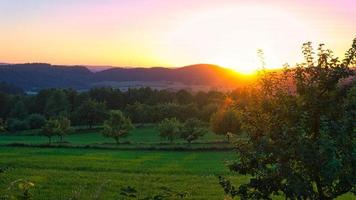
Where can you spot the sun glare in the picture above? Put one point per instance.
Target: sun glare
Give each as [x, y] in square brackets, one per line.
[230, 37]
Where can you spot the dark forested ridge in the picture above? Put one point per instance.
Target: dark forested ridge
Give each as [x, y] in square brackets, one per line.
[36, 76]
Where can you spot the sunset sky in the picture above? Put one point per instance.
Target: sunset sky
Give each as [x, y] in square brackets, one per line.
[171, 33]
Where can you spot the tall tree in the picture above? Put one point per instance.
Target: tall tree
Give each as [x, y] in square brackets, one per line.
[300, 132]
[117, 126]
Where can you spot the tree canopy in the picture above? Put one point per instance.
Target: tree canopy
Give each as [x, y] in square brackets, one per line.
[300, 132]
[91, 113]
[117, 126]
[169, 128]
[193, 129]
[226, 121]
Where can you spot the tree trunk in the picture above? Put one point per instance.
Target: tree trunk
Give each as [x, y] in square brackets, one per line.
[228, 137]
[61, 138]
[49, 140]
[117, 140]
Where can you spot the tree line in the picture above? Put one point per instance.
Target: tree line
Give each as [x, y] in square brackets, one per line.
[144, 105]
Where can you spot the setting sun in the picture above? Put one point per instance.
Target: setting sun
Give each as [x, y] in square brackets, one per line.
[231, 36]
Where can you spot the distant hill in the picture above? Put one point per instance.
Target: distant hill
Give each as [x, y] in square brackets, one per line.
[35, 76]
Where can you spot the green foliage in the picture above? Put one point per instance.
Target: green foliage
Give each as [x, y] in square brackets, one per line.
[142, 105]
[64, 127]
[226, 121]
[14, 125]
[112, 98]
[300, 132]
[184, 97]
[141, 113]
[169, 128]
[117, 126]
[50, 129]
[207, 111]
[57, 104]
[91, 113]
[18, 110]
[35, 121]
[192, 130]
[56, 127]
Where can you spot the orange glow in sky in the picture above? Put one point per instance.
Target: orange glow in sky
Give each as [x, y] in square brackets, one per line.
[171, 33]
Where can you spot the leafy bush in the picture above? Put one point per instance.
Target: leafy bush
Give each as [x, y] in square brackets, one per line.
[14, 125]
[36, 121]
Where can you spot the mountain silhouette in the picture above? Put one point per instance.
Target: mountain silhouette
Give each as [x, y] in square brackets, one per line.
[35, 76]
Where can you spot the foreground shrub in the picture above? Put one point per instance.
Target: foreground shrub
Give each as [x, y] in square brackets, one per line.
[300, 133]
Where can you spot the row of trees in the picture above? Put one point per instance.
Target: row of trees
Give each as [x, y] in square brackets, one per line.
[20, 112]
[192, 129]
[118, 126]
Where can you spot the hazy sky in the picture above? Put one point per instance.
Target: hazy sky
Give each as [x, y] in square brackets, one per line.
[171, 32]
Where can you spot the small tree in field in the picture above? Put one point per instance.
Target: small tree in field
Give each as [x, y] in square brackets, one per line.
[192, 130]
[169, 129]
[226, 122]
[117, 126]
[64, 127]
[300, 132]
[50, 129]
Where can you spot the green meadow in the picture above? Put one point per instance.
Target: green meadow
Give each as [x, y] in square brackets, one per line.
[60, 173]
[100, 173]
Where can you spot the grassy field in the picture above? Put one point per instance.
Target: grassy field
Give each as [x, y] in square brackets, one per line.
[99, 173]
[58, 172]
